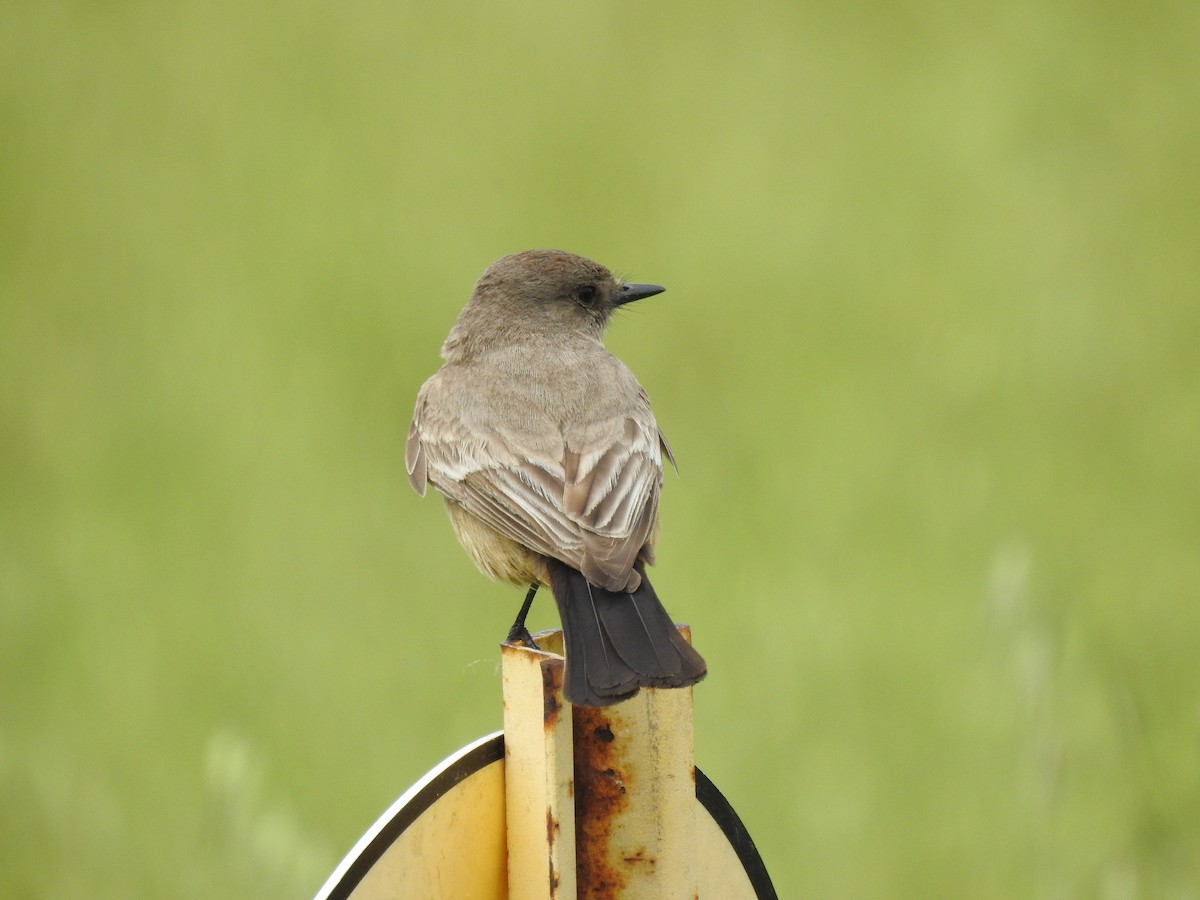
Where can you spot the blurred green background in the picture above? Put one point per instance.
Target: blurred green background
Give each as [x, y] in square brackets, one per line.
[928, 358]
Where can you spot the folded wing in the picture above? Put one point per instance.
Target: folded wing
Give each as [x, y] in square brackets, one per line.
[587, 497]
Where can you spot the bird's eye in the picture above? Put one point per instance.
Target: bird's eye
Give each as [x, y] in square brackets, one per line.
[586, 294]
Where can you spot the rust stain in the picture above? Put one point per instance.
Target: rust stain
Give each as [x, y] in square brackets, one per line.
[600, 789]
[552, 675]
[640, 857]
[552, 831]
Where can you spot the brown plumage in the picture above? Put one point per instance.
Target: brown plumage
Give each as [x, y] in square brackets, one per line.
[550, 461]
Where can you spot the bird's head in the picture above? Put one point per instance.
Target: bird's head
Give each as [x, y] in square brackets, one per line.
[545, 292]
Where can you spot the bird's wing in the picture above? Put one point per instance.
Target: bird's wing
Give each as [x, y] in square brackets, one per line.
[588, 497]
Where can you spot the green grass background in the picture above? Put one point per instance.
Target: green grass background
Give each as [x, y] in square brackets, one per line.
[928, 358]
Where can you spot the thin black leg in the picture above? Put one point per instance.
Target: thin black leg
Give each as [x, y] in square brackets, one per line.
[519, 634]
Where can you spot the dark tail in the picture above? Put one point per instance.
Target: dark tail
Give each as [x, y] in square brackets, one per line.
[617, 642]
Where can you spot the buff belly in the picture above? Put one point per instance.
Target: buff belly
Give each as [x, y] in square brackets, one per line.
[497, 556]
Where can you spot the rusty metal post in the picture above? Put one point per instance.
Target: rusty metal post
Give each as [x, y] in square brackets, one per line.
[612, 790]
[635, 798]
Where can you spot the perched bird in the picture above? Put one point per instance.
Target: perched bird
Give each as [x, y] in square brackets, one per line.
[550, 461]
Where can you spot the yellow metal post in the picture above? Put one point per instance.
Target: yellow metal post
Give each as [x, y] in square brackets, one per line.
[539, 780]
[601, 802]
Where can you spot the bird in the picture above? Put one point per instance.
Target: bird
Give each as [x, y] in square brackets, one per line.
[549, 460]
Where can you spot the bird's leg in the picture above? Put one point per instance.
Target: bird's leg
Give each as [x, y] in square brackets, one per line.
[519, 634]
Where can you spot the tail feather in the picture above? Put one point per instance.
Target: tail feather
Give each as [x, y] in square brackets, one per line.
[617, 643]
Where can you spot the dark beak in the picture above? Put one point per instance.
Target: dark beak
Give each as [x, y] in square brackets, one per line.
[630, 292]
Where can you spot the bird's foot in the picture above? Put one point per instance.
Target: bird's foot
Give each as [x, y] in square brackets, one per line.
[519, 634]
